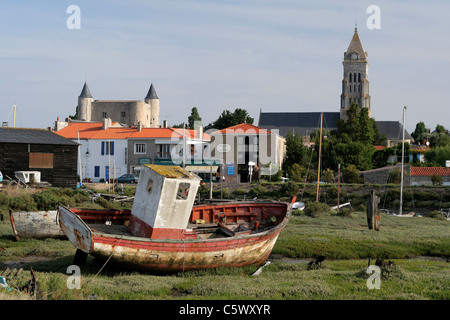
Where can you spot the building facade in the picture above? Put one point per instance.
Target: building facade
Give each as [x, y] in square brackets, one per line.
[245, 148]
[108, 150]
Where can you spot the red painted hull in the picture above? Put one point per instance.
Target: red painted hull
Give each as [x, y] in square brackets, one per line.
[194, 250]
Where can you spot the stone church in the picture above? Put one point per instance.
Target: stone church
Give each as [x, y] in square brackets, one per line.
[125, 112]
[355, 89]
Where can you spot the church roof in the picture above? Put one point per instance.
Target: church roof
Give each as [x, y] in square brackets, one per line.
[356, 46]
[151, 93]
[393, 130]
[304, 123]
[85, 93]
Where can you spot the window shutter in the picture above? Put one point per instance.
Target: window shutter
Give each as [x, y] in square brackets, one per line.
[97, 171]
[111, 148]
[103, 148]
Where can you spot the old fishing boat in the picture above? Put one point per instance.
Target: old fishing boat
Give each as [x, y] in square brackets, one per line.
[35, 225]
[166, 233]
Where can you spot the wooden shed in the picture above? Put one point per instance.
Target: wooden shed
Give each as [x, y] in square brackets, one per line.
[55, 157]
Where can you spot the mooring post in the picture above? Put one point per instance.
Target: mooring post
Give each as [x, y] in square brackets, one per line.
[373, 213]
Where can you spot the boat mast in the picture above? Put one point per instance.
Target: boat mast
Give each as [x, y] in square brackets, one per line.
[320, 155]
[403, 160]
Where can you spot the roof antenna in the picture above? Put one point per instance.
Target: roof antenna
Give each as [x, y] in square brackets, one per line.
[356, 26]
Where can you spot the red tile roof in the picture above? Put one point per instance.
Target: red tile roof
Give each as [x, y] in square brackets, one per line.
[429, 171]
[243, 128]
[93, 130]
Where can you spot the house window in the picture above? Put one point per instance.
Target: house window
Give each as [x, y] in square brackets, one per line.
[351, 78]
[97, 171]
[107, 148]
[124, 114]
[140, 148]
[41, 160]
[359, 77]
[104, 115]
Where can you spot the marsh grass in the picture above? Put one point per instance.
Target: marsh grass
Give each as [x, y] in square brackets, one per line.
[345, 238]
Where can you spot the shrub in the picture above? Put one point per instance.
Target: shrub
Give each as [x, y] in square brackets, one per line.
[436, 215]
[239, 192]
[345, 212]
[436, 180]
[315, 209]
[290, 188]
[350, 174]
[23, 203]
[257, 191]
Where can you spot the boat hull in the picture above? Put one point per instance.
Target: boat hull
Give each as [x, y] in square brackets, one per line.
[179, 256]
[36, 225]
[171, 255]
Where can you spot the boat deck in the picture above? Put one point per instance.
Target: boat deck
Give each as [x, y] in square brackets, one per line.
[202, 231]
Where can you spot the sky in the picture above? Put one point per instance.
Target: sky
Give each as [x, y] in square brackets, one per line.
[283, 55]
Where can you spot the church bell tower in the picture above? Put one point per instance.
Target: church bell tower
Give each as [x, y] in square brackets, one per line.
[355, 85]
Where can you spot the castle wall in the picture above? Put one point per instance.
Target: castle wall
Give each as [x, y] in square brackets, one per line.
[127, 112]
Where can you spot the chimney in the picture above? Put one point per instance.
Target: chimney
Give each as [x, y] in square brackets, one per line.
[139, 126]
[200, 132]
[106, 123]
[165, 124]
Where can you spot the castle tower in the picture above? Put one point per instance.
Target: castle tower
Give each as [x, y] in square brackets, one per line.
[153, 100]
[355, 85]
[84, 107]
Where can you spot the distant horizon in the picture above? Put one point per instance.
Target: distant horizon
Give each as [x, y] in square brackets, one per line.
[284, 56]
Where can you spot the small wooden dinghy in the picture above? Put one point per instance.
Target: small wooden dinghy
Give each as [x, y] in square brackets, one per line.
[35, 225]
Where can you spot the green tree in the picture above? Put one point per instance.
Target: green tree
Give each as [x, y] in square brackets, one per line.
[229, 119]
[354, 139]
[437, 156]
[420, 133]
[295, 151]
[195, 116]
[439, 137]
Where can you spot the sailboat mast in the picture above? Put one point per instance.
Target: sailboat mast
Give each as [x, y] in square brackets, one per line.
[403, 160]
[320, 155]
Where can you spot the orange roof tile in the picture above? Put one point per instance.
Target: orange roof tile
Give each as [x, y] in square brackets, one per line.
[429, 171]
[243, 128]
[93, 130]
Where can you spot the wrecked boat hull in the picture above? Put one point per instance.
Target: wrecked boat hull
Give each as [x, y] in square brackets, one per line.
[36, 225]
[174, 255]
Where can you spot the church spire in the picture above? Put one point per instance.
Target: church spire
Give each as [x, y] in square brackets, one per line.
[85, 93]
[355, 46]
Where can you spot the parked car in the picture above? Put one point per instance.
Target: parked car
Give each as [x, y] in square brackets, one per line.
[126, 178]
